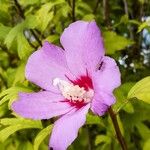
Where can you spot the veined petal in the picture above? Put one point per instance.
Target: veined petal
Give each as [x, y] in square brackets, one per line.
[101, 102]
[41, 105]
[108, 77]
[66, 128]
[83, 44]
[46, 64]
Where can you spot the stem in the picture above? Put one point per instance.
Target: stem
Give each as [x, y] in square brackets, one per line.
[73, 10]
[21, 13]
[127, 13]
[126, 7]
[96, 6]
[89, 139]
[106, 12]
[117, 129]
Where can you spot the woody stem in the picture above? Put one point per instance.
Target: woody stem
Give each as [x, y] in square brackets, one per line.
[117, 129]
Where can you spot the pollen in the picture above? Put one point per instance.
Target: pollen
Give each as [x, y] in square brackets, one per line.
[72, 92]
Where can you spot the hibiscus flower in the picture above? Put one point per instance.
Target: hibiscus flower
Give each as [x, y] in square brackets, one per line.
[74, 79]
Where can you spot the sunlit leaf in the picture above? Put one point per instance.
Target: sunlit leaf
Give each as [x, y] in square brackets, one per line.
[25, 146]
[141, 90]
[92, 119]
[15, 125]
[143, 25]
[20, 74]
[114, 42]
[45, 14]
[3, 31]
[147, 145]
[23, 47]
[12, 93]
[89, 17]
[13, 33]
[28, 2]
[41, 136]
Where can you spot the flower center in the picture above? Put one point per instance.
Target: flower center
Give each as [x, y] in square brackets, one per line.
[72, 92]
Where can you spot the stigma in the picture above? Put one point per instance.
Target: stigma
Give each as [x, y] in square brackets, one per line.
[72, 92]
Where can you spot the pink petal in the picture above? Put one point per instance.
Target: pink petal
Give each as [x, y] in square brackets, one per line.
[41, 105]
[46, 64]
[108, 77]
[101, 102]
[83, 44]
[66, 128]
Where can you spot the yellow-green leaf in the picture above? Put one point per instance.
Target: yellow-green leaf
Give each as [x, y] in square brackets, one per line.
[141, 90]
[102, 138]
[114, 42]
[41, 136]
[15, 125]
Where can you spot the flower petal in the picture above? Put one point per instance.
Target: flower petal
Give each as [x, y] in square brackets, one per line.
[101, 102]
[83, 44]
[46, 64]
[108, 77]
[41, 105]
[66, 128]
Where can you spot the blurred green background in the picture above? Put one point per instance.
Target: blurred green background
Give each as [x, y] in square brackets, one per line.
[125, 26]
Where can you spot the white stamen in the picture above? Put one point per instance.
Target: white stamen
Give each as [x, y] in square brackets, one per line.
[73, 92]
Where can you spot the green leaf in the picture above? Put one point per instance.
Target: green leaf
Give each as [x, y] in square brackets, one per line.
[15, 125]
[12, 93]
[19, 76]
[143, 130]
[3, 31]
[83, 6]
[23, 47]
[143, 25]
[124, 19]
[114, 42]
[41, 136]
[25, 146]
[52, 38]
[102, 139]
[28, 2]
[5, 16]
[147, 145]
[141, 90]
[45, 14]
[15, 121]
[17, 32]
[3, 110]
[91, 119]
[13, 34]
[141, 114]
[88, 17]
[30, 22]
[121, 95]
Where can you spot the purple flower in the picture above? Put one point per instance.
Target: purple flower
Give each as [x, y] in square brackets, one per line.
[73, 80]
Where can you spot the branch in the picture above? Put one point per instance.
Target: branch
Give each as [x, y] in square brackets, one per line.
[96, 6]
[89, 139]
[106, 12]
[73, 10]
[117, 129]
[125, 7]
[21, 13]
[127, 13]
